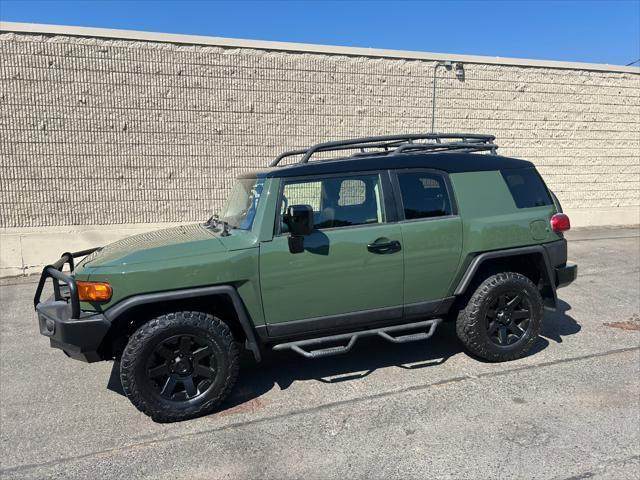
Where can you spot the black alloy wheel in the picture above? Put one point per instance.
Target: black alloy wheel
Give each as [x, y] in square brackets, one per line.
[508, 318]
[502, 318]
[182, 367]
[179, 365]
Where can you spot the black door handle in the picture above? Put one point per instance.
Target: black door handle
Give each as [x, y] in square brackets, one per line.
[388, 247]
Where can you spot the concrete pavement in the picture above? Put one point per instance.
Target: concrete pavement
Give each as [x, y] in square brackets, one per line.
[571, 409]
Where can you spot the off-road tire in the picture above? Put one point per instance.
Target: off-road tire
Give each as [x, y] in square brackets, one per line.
[471, 324]
[133, 364]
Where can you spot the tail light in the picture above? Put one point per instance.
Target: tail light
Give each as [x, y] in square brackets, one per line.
[94, 291]
[560, 223]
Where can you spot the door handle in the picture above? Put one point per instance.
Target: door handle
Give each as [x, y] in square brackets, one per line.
[382, 248]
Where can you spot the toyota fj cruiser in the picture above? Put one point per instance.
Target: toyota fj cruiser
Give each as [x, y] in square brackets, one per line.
[389, 240]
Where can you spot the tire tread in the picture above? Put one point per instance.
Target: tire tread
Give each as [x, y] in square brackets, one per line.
[469, 326]
[133, 352]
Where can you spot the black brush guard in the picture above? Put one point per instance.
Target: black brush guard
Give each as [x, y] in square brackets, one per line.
[54, 272]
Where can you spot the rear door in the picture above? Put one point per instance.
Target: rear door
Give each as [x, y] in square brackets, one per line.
[432, 237]
[345, 276]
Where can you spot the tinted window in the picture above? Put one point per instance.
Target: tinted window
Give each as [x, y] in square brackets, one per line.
[424, 195]
[337, 201]
[527, 188]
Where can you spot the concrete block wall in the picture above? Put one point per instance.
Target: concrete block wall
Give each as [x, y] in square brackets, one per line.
[110, 134]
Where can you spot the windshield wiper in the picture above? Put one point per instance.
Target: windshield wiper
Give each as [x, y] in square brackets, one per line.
[215, 222]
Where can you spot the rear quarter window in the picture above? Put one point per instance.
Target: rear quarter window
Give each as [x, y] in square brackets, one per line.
[527, 188]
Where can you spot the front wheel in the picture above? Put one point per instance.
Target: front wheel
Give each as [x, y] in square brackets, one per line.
[502, 319]
[179, 366]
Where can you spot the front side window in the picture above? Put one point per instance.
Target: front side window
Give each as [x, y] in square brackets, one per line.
[424, 195]
[337, 201]
[242, 203]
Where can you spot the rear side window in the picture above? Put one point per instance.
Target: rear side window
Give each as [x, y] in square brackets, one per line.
[527, 188]
[424, 195]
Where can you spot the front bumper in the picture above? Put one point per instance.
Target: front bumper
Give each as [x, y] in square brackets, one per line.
[79, 338]
[79, 334]
[566, 274]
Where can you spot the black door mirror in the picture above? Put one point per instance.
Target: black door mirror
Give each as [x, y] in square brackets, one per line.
[299, 219]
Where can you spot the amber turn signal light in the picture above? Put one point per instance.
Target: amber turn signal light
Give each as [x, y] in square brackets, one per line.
[94, 291]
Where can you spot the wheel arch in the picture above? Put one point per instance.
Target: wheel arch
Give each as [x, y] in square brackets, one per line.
[531, 261]
[221, 300]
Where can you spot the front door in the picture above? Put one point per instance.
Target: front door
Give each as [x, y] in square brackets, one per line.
[351, 270]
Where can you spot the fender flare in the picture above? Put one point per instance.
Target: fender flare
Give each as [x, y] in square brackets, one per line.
[511, 252]
[121, 307]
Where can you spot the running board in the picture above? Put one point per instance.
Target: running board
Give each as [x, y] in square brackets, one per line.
[384, 332]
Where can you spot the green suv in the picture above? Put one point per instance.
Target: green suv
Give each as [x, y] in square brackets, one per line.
[382, 236]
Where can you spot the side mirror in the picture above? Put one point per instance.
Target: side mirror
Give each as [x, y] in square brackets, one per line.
[299, 219]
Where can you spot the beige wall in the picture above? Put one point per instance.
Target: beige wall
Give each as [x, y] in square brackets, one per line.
[99, 132]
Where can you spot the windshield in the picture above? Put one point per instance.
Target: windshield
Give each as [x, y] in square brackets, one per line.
[240, 207]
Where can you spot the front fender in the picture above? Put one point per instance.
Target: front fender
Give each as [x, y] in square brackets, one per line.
[122, 307]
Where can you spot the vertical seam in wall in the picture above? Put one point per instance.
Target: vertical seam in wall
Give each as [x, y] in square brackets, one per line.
[22, 265]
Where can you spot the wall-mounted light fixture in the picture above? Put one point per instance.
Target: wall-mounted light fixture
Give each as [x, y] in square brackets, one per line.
[459, 69]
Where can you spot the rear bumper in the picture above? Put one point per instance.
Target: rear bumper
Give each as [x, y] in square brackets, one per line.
[79, 338]
[565, 275]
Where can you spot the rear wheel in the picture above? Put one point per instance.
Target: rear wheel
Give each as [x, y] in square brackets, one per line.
[502, 319]
[179, 365]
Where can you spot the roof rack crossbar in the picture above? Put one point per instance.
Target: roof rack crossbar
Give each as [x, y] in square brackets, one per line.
[451, 146]
[384, 145]
[400, 143]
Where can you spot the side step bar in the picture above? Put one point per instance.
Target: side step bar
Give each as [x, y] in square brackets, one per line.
[384, 332]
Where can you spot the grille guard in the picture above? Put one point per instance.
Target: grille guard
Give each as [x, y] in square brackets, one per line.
[54, 271]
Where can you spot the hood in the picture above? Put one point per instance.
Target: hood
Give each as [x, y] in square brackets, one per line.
[165, 244]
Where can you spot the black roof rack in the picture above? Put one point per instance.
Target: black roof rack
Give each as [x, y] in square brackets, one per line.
[396, 144]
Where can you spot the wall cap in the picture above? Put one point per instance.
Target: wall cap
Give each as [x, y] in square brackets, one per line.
[109, 33]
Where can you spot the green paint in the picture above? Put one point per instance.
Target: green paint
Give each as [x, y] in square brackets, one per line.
[432, 251]
[336, 273]
[491, 219]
